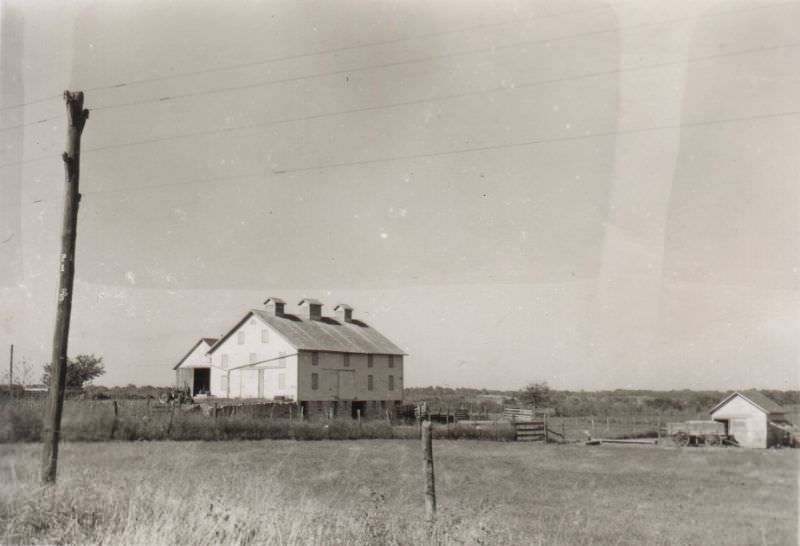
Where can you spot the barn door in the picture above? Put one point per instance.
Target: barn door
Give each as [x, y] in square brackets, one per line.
[261, 383]
[738, 429]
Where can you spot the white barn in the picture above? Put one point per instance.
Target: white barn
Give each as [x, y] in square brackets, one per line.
[751, 418]
[337, 364]
[193, 371]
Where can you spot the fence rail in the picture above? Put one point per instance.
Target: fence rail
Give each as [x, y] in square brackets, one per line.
[531, 431]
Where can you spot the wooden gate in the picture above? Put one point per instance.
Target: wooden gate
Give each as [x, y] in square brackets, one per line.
[530, 431]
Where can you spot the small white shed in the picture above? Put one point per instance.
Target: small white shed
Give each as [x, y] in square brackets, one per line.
[749, 418]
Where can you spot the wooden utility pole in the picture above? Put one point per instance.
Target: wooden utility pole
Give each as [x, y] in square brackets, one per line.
[76, 118]
[427, 466]
[11, 373]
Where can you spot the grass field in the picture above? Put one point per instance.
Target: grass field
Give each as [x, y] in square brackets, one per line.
[370, 492]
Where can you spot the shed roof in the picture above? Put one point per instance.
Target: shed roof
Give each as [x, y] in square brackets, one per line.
[210, 340]
[761, 401]
[326, 334]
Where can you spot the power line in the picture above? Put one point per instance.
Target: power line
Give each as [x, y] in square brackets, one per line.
[21, 125]
[443, 97]
[358, 46]
[375, 67]
[424, 100]
[544, 141]
[535, 142]
[37, 101]
[267, 83]
[189, 182]
[288, 58]
[310, 54]
[350, 48]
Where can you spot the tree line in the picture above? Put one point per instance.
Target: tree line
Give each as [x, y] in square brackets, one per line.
[576, 403]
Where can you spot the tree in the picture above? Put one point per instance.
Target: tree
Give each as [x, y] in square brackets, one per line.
[23, 373]
[536, 395]
[79, 371]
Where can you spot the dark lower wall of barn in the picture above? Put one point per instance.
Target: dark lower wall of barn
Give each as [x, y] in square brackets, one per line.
[366, 409]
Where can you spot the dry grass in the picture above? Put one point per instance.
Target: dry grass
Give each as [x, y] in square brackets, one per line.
[369, 492]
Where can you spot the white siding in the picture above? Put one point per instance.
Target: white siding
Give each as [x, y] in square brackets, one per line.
[184, 374]
[243, 382]
[746, 422]
[197, 358]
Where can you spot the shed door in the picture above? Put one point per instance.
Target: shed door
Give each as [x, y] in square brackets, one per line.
[738, 429]
[261, 383]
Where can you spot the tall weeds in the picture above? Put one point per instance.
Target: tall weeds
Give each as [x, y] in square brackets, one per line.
[92, 421]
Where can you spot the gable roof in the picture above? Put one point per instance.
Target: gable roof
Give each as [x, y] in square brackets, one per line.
[210, 340]
[759, 400]
[326, 334]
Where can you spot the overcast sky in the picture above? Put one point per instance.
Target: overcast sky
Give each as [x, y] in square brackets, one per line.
[593, 194]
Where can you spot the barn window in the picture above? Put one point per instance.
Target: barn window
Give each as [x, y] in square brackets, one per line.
[281, 381]
[224, 362]
[314, 381]
[252, 357]
[223, 383]
[370, 383]
[391, 361]
[240, 338]
[282, 359]
[314, 358]
[264, 336]
[391, 382]
[369, 361]
[346, 360]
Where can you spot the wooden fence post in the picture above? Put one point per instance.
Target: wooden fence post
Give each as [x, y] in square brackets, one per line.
[171, 415]
[546, 431]
[592, 426]
[658, 426]
[427, 466]
[114, 423]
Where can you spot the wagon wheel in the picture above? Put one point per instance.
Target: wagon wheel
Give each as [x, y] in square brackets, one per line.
[712, 440]
[681, 439]
[163, 397]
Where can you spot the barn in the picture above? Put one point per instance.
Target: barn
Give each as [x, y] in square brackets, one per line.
[193, 371]
[328, 364]
[752, 419]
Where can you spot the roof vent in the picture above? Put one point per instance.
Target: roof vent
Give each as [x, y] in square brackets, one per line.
[344, 313]
[274, 306]
[314, 308]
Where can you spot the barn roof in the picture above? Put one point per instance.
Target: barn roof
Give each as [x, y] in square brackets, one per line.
[210, 340]
[326, 334]
[756, 398]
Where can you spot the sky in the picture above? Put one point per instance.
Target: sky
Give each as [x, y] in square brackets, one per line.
[594, 194]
